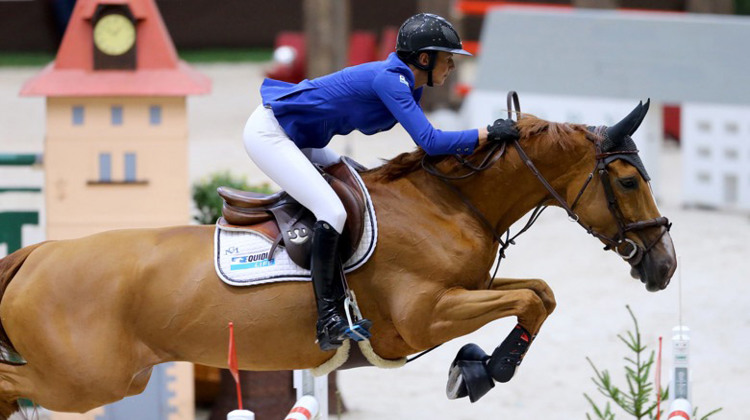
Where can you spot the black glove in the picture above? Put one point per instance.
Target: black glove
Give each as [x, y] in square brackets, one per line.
[502, 130]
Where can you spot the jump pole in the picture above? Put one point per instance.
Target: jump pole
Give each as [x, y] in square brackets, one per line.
[312, 397]
[680, 407]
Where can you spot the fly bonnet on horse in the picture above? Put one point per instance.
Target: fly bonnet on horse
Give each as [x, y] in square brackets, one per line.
[617, 143]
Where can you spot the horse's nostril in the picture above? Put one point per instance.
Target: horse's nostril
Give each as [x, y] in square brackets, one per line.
[664, 270]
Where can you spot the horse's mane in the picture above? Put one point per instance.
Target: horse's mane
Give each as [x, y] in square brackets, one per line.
[548, 134]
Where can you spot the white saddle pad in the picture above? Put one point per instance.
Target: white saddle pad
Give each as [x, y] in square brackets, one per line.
[241, 257]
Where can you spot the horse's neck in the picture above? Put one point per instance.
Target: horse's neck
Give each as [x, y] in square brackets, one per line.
[506, 192]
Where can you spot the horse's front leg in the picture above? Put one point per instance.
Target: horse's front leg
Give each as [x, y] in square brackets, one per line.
[460, 311]
[540, 287]
[473, 372]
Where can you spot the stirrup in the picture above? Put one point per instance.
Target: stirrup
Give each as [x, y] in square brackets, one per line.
[360, 331]
[359, 327]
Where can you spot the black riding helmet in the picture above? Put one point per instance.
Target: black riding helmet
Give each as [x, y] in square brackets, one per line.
[426, 32]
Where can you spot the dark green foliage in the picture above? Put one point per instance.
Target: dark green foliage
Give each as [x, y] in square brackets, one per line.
[25, 58]
[208, 202]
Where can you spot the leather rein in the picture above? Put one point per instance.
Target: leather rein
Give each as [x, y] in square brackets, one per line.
[625, 247]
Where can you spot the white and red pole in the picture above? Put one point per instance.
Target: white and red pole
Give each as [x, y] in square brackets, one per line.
[312, 397]
[306, 408]
[680, 407]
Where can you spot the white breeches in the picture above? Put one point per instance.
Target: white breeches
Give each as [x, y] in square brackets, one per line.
[292, 168]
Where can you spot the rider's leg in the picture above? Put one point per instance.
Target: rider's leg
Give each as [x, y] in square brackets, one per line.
[282, 161]
[326, 268]
[324, 157]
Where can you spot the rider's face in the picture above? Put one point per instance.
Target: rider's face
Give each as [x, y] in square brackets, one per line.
[444, 65]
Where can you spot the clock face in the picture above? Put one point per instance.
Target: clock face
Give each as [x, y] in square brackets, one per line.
[114, 34]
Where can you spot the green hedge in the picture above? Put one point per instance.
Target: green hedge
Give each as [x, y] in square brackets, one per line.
[208, 201]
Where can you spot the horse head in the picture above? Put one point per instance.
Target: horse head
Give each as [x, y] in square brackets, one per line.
[616, 203]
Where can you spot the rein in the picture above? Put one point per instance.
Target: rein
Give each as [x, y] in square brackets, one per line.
[495, 153]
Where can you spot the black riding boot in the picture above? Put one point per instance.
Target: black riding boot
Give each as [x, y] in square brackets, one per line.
[332, 329]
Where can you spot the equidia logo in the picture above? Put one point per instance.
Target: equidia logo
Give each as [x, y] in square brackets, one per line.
[244, 262]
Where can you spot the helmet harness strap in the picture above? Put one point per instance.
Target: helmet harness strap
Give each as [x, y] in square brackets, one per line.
[414, 59]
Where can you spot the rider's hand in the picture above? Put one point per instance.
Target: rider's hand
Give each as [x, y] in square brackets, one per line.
[502, 130]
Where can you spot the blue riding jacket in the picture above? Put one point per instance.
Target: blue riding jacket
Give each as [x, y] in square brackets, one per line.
[370, 97]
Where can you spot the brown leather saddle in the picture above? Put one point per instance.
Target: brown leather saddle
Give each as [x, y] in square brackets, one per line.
[280, 218]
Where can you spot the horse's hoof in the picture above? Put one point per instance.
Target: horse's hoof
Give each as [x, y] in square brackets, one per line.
[468, 375]
[456, 387]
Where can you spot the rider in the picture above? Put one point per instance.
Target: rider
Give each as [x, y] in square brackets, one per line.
[289, 132]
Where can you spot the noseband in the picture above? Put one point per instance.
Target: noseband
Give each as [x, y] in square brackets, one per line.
[625, 247]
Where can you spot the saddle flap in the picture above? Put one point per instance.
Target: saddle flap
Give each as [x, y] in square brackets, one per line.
[354, 204]
[295, 223]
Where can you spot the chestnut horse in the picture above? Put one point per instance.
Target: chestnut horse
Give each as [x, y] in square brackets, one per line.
[91, 316]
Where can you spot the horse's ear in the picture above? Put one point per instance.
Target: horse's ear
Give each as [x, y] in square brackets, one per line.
[629, 124]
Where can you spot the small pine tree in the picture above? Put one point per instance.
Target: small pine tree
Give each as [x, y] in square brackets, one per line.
[208, 202]
[636, 399]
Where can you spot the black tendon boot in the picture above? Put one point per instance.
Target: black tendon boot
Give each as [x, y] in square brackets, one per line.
[509, 354]
[332, 328]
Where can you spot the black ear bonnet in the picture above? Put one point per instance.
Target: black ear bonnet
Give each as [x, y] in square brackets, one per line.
[618, 139]
[626, 144]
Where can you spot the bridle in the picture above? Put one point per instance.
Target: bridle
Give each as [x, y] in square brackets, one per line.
[625, 247]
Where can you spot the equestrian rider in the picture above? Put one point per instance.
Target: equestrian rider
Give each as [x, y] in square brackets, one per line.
[289, 132]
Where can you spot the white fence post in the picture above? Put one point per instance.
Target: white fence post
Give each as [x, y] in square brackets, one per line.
[308, 385]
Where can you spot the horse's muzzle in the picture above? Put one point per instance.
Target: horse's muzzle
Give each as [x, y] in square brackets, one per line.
[656, 267]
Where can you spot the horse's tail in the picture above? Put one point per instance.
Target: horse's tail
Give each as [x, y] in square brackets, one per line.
[9, 266]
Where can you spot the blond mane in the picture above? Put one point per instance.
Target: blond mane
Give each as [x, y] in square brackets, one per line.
[544, 133]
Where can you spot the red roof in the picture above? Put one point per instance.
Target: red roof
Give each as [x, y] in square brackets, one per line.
[159, 70]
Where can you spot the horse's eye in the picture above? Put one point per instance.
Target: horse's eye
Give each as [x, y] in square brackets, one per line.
[629, 183]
